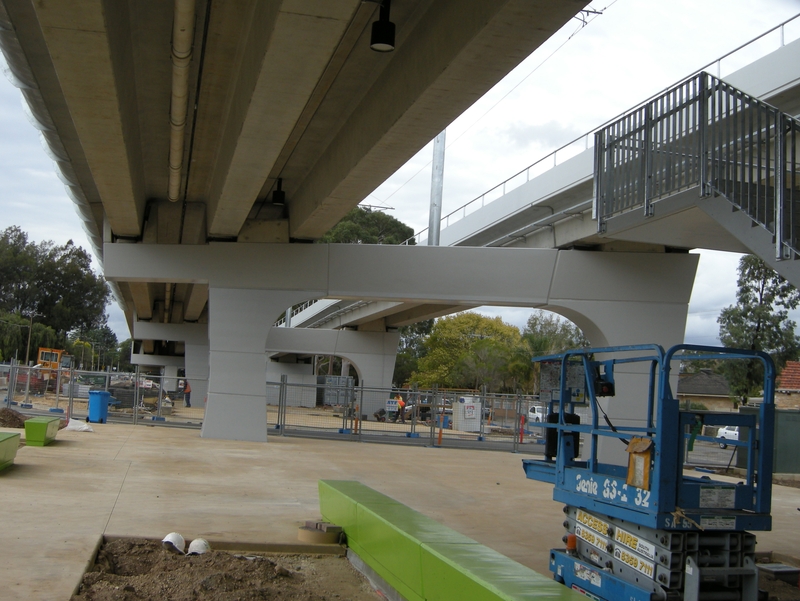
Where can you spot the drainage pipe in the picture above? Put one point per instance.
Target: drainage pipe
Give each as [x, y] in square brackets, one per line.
[182, 40]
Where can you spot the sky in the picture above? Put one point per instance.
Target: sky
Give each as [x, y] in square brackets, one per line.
[583, 76]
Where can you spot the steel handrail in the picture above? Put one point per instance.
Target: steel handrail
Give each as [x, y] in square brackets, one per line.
[717, 62]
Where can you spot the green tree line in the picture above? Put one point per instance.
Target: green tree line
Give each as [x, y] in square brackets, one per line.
[50, 297]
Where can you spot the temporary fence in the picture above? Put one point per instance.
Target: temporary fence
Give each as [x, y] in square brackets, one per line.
[334, 408]
[429, 417]
[132, 397]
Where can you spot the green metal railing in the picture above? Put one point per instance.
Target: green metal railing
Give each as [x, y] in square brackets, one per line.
[703, 133]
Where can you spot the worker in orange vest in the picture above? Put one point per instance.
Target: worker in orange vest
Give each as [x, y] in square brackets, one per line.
[187, 394]
[401, 410]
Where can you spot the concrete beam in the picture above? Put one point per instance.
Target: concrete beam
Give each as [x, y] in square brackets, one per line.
[191, 333]
[435, 73]
[195, 301]
[157, 360]
[89, 45]
[274, 85]
[142, 299]
[415, 274]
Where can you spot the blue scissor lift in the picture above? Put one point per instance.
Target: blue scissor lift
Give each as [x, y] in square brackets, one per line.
[642, 529]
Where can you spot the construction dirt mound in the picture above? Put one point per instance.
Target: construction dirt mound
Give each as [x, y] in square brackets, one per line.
[135, 569]
[11, 419]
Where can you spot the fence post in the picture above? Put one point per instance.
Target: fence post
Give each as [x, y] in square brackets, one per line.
[414, 396]
[354, 408]
[434, 413]
[481, 430]
[361, 408]
[70, 378]
[136, 398]
[160, 395]
[281, 421]
[12, 372]
[519, 425]
[27, 384]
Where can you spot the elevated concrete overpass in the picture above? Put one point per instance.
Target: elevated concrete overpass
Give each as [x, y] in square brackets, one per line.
[194, 121]
[197, 123]
[552, 205]
[199, 178]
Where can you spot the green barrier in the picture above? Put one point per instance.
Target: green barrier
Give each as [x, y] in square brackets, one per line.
[41, 431]
[9, 443]
[422, 559]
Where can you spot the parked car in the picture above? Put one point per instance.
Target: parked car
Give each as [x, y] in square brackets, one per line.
[537, 414]
[727, 433]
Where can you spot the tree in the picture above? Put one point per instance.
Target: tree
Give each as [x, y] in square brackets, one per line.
[410, 350]
[124, 355]
[758, 321]
[458, 344]
[18, 262]
[548, 334]
[97, 347]
[14, 337]
[365, 226]
[54, 282]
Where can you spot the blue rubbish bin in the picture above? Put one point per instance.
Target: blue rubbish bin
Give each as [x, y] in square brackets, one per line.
[98, 406]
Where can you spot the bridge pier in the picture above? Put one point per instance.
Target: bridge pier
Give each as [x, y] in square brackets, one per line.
[642, 298]
[239, 321]
[616, 298]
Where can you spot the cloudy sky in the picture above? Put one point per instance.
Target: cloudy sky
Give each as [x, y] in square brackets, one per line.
[582, 77]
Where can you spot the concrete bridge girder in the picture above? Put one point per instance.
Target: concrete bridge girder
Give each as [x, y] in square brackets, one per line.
[615, 297]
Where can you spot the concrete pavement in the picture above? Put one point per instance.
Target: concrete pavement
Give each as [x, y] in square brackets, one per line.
[147, 481]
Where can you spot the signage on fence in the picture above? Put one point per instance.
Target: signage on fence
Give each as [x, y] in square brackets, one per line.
[469, 411]
[391, 405]
[550, 381]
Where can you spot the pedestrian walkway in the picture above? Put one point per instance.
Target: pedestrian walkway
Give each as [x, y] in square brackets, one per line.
[148, 481]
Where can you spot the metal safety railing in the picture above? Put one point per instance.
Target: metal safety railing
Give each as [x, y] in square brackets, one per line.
[703, 133]
[752, 50]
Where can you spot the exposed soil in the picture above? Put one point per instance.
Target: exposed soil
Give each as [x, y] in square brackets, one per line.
[778, 589]
[11, 419]
[139, 569]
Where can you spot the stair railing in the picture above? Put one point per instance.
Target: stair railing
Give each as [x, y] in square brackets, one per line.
[703, 133]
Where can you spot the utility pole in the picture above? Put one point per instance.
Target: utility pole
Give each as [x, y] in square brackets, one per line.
[28, 348]
[437, 184]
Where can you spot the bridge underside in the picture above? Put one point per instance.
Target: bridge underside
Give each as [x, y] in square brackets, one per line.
[243, 122]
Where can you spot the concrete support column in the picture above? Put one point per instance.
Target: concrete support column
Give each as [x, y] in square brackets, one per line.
[170, 377]
[239, 320]
[196, 365]
[638, 299]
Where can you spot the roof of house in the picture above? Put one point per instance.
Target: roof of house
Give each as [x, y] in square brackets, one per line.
[789, 379]
[703, 382]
